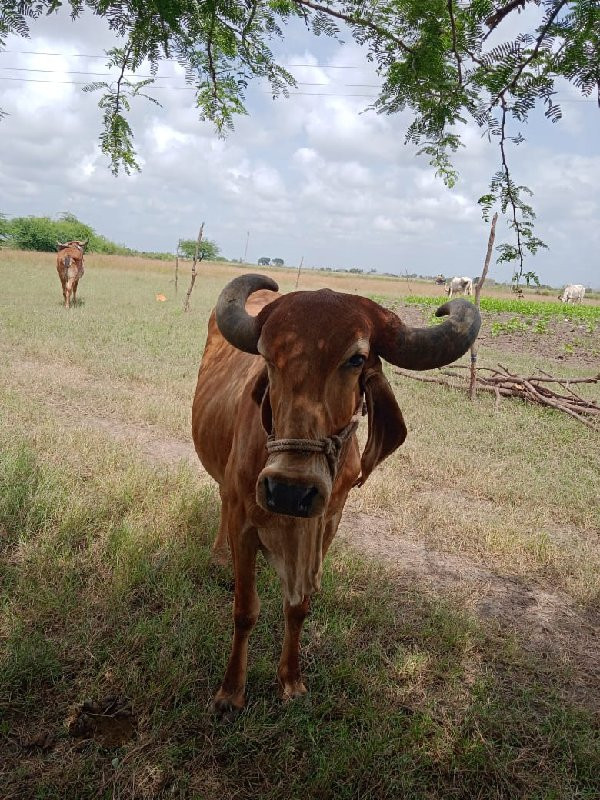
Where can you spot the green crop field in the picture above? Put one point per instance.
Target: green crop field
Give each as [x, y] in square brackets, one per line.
[529, 308]
[454, 651]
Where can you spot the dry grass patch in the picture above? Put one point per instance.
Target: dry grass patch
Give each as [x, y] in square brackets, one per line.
[108, 601]
[461, 663]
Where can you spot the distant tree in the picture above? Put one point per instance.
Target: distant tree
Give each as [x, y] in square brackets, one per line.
[209, 250]
[278, 262]
[356, 271]
[531, 276]
[264, 261]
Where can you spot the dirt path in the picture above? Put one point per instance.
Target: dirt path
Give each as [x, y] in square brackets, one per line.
[149, 440]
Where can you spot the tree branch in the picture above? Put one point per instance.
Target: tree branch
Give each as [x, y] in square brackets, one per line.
[524, 64]
[364, 23]
[509, 186]
[496, 18]
[121, 76]
[248, 23]
[454, 44]
[211, 64]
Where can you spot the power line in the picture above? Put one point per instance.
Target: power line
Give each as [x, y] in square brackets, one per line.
[163, 77]
[305, 94]
[185, 88]
[103, 55]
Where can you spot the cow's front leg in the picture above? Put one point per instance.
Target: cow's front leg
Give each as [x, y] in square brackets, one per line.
[288, 671]
[220, 548]
[246, 607]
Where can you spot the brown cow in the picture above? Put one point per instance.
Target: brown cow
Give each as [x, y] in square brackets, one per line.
[69, 265]
[282, 383]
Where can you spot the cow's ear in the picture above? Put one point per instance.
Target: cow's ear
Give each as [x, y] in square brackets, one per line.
[387, 430]
[260, 395]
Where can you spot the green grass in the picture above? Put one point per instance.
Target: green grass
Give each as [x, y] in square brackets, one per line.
[109, 589]
[513, 325]
[106, 587]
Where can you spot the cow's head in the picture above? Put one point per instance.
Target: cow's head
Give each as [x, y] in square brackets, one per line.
[75, 243]
[322, 354]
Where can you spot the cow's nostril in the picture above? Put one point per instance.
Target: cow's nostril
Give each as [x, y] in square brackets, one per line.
[269, 492]
[307, 499]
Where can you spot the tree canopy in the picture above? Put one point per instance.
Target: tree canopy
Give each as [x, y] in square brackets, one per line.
[206, 249]
[443, 60]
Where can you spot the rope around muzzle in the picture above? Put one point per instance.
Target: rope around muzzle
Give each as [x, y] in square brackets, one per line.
[329, 446]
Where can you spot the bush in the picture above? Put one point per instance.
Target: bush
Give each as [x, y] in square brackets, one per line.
[42, 233]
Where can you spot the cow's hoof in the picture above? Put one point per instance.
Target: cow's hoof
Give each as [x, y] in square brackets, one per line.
[227, 706]
[220, 558]
[291, 690]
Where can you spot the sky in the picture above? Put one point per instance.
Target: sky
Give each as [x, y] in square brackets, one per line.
[315, 176]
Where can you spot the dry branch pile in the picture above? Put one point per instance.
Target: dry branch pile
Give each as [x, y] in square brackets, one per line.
[540, 389]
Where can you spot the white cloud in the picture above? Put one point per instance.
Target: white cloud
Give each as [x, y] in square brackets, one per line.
[309, 176]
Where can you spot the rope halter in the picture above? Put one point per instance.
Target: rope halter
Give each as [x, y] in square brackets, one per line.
[329, 446]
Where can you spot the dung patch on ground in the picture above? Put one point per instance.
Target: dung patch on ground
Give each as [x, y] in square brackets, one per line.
[109, 721]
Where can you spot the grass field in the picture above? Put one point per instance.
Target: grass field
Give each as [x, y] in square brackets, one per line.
[454, 651]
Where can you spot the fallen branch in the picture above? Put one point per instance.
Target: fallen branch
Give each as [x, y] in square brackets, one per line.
[534, 389]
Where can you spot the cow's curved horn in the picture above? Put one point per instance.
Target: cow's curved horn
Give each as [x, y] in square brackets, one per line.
[61, 245]
[428, 348]
[237, 326]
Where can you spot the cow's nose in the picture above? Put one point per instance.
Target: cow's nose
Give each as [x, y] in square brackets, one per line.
[289, 498]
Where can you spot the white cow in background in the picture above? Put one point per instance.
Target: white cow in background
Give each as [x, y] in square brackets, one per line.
[460, 286]
[573, 293]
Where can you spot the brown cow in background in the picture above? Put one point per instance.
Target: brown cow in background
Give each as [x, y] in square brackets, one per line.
[69, 265]
[281, 387]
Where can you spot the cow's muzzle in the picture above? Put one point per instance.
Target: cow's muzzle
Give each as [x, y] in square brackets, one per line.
[287, 488]
[292, 499]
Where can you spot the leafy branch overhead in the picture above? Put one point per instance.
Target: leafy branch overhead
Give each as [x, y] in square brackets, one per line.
[442, 60]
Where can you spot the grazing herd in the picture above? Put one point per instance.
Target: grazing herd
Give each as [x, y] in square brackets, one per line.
[573, 293]
[282, 384]
[462, 285]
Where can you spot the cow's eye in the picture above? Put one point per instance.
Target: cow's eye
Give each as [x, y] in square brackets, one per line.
[356, 361]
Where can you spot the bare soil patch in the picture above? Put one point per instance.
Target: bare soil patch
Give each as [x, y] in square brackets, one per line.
[563, 340]
[547, 622]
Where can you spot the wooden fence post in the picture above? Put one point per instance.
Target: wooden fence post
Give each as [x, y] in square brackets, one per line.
[299, 268]
[177, 265]
[186, 306]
